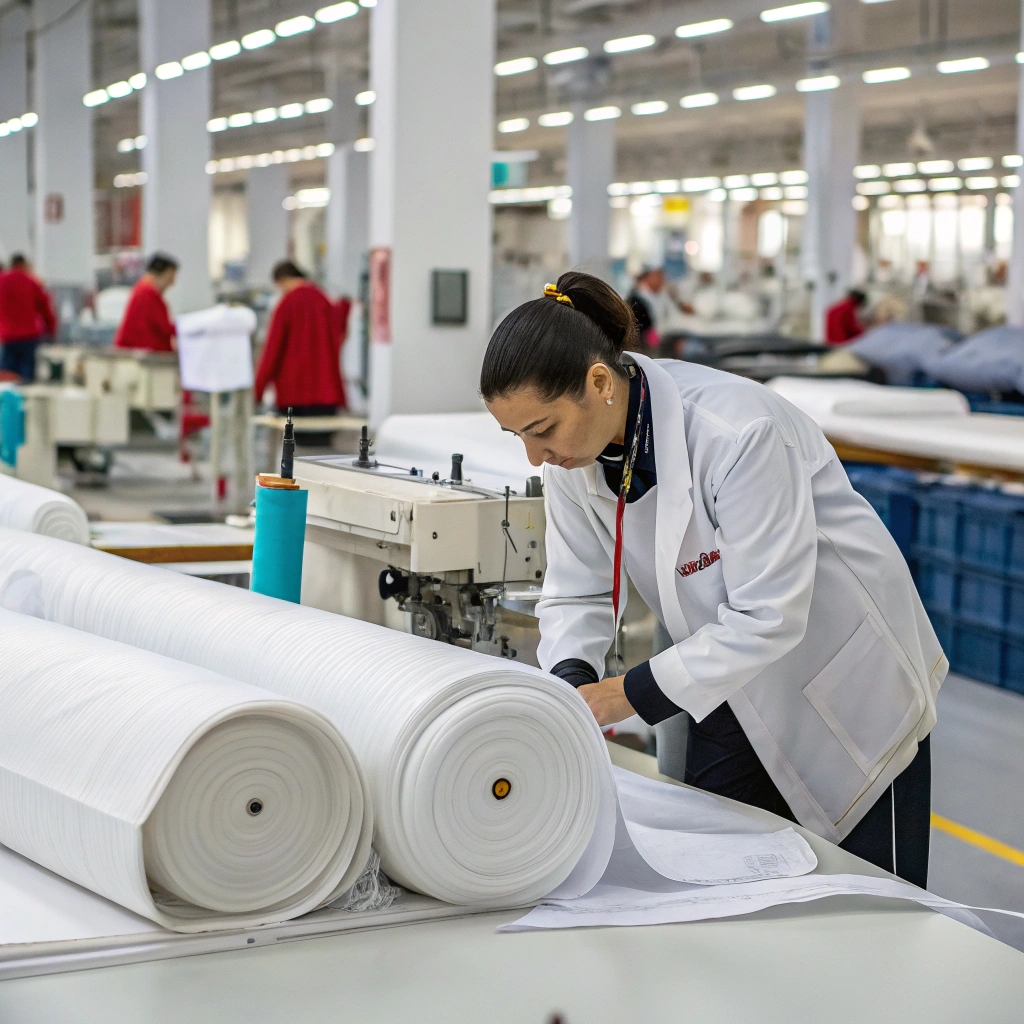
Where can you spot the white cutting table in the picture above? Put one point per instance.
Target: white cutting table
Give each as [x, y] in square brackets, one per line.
[843, 960]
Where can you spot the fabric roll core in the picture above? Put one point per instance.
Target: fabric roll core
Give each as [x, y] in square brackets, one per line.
[501, 789]
[254, 808]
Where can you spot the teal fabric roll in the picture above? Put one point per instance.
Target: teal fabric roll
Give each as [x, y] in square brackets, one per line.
[277, 549]
[12, 425]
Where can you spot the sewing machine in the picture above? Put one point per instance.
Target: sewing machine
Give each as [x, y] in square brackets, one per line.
[442, 558]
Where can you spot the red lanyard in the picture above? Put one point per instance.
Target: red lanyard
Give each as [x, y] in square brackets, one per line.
[620, 509]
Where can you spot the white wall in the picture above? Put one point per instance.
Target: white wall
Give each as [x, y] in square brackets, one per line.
[265, 191]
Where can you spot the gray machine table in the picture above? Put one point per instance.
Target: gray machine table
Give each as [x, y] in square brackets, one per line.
[843, 960]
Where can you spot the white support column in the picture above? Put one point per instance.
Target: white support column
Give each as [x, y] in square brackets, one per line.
[1015, 275]
[15, 209]
[832, 132]
[266, 189]
[176, 196]
[348, 178]
[62, 146]
[590, 169]
[431, 66]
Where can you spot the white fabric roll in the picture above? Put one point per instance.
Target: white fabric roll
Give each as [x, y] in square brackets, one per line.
[128, 772]
[822, 399]
[34, 509]
[436, 728]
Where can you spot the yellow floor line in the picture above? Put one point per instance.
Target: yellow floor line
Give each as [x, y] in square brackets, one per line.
[978, 839]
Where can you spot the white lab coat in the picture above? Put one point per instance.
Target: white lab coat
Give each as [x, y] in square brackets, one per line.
[782, 590]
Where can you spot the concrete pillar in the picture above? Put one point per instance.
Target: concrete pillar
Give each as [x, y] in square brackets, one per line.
[832, 131]
[62, 143]
[176, 196]
[348, 178]
[1015, 275]
[266, 189]
[15, 210]
[590, 169]
[431, 65]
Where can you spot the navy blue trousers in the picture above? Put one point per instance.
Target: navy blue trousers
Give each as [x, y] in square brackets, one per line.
[20, 357]
[894, 834]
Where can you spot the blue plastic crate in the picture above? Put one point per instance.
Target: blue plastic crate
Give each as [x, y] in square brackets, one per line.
[892, 494]
[936, 583]
[1013, 664]
[983, 597]
[993, 527]
[938, 520]
[978, 652]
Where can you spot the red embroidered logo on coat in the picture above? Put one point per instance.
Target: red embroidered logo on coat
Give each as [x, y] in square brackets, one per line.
[707, 558]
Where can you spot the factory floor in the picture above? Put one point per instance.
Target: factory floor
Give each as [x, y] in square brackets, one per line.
[977, 746]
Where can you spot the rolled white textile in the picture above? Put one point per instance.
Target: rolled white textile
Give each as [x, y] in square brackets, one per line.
[822, 399]
[34, 509]
[195, 800]
[490, 781]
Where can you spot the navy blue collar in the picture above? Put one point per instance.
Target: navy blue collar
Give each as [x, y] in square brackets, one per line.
[644, 472]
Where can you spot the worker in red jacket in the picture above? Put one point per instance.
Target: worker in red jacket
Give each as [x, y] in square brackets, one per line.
[26, 318]
[841, 320]
[301, 356]
[147, 323]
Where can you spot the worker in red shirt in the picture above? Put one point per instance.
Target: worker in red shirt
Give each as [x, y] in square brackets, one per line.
[841, 320]
[147, 323]
[26, 318]
[301, 355]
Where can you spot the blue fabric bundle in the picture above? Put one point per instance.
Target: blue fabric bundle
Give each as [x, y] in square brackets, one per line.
[902, 351]
[992, 360]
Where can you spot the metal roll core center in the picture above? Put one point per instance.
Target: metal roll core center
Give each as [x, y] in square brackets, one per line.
[254, 807]
[501, 789]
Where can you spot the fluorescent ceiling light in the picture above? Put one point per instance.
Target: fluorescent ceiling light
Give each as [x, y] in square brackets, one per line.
[265, 115]
[793, 177]
[765, 178]
[945, 184]
[703, 28]
[935, 166]
[172, 69]
[516, 66]
[240, 120]
[294, 26]
[217, 124]
[753, 92]
[95, 98]
[141, 141]
[4, 130]
[649, 107]
[911, 185]
[736, 181]
[898, 170]
[878, 75]
[873, 188]
[796, 192]
[14, 124]
[29, 120]
[627, 43]
[138, 80]
[566, 56]
[953, 67]
[195, 61]
[666, 185]
[261, 37]
[867, 171]
[365, 98]
[744, 195]
[368, 3]
[513, 124]
[126, 146]
[116, 90]
[791, 11]
[975, 163]
[718, 195]
[982, 182]
[325, 149]
[618, 188]
[556, 119]
[601, 113]
[699, 99]
[291, 110]
[364, 145]
[818, 84]
[319, 106]
[771, 194]
[1013, 160]
[1010, 180]
[336, 12]
[700, 184]
[640, 188]
[222, 51]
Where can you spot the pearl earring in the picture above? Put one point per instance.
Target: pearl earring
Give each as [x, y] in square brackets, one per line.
[608, 400]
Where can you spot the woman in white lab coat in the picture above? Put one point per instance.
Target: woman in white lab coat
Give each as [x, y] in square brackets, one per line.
[801, 648]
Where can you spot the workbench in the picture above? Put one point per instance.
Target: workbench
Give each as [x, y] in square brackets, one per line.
[842, 960]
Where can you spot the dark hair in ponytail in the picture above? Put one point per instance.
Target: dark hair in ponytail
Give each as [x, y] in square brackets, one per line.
[549, 345]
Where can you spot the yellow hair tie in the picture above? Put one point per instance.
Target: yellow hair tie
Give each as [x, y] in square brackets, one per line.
[552, 292]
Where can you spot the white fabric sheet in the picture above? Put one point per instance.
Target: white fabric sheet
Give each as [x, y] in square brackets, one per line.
[859, 398]
[214, 348]
[34, 509]
[491, 457]
[128, 772]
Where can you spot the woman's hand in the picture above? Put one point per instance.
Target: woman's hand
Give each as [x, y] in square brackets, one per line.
[607, 700]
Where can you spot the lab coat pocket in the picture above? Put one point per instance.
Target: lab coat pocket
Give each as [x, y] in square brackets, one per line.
[866, 696]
